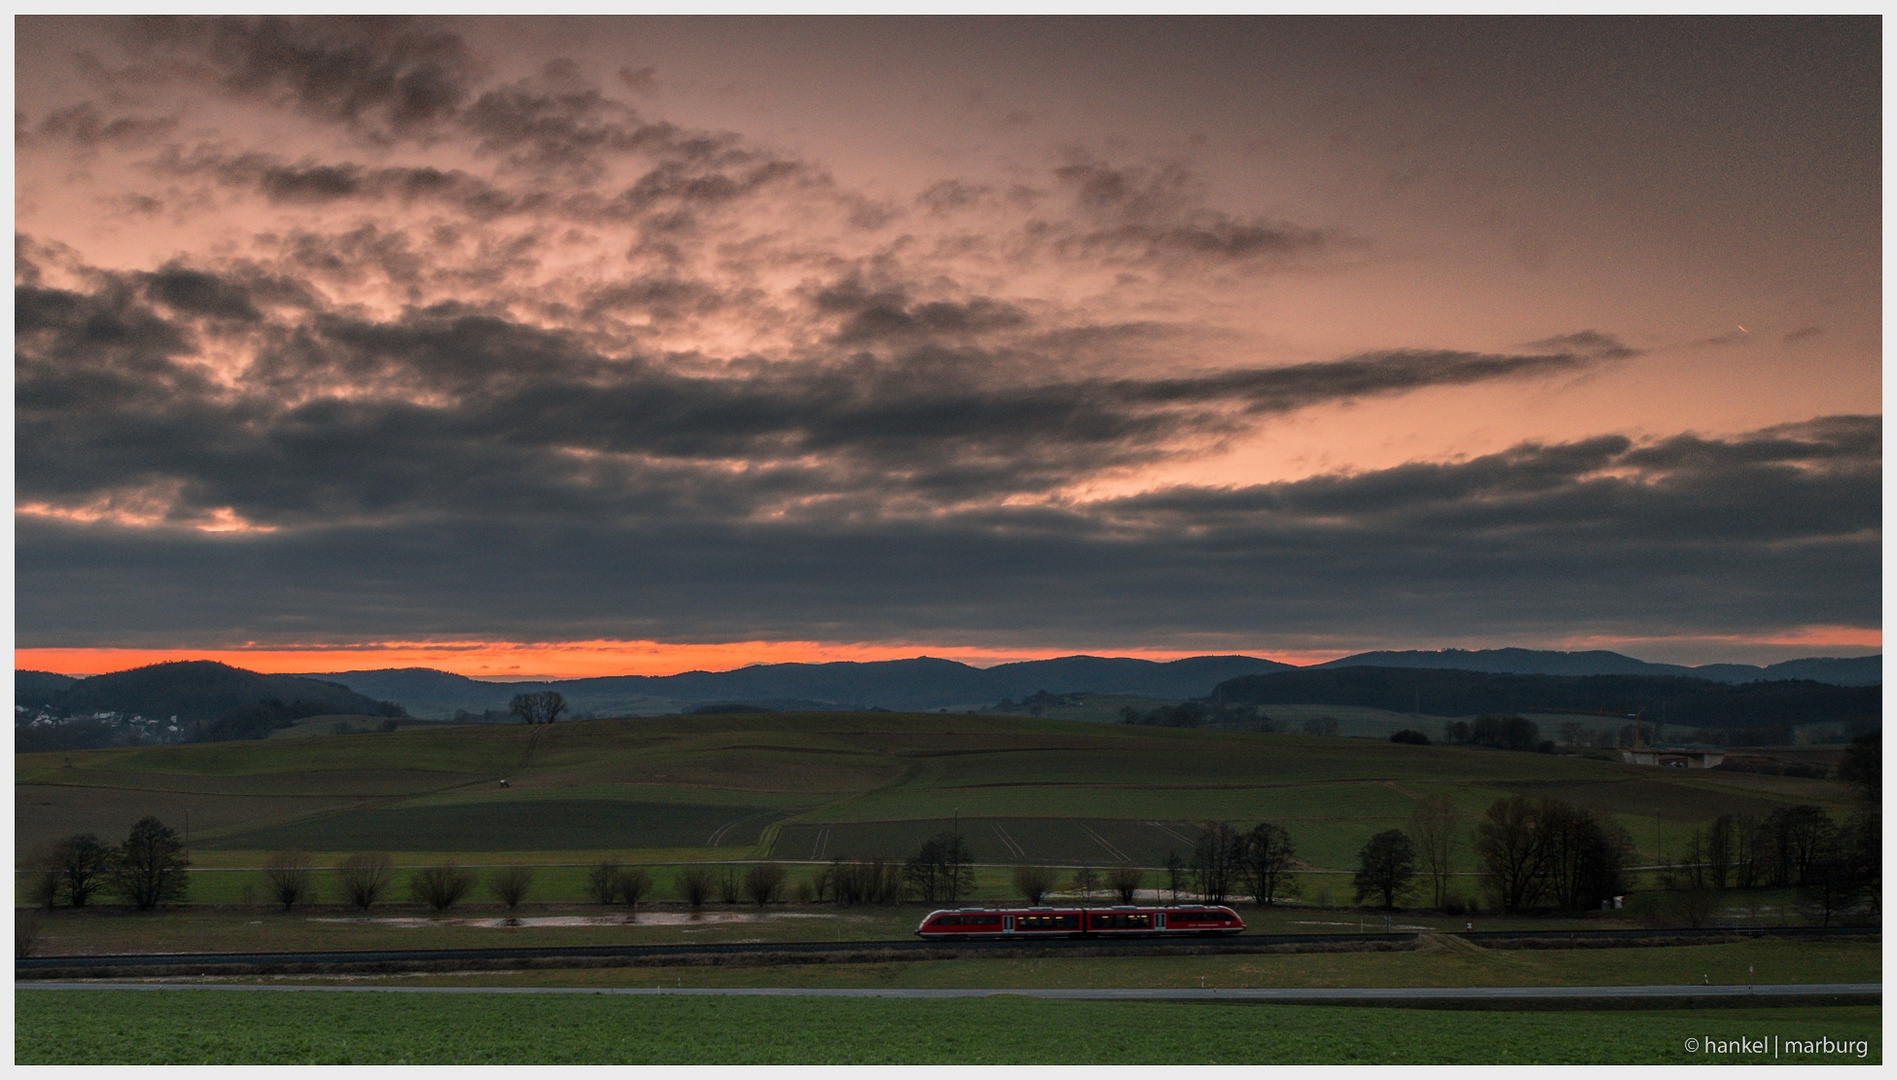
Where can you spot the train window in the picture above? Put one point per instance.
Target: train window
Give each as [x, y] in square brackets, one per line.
[1068, 921]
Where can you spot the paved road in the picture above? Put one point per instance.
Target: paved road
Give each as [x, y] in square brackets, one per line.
[1656, 995]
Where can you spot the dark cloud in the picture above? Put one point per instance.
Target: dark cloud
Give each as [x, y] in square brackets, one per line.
[1587, 343]
[84, 125]
[311, 426]
[948, 196]
[1153, 215]
[384, 77]
[1803, 334]
[888, 315]
[1543, 539]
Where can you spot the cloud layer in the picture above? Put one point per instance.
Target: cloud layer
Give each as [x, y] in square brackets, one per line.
[511, 356]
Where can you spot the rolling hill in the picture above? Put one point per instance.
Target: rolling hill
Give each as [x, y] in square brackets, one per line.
[192, 690]
[921, 683]
[1838, 671]
[816, 786]
[1680, 701]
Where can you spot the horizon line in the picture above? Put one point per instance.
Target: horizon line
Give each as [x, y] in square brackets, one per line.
[506, 662]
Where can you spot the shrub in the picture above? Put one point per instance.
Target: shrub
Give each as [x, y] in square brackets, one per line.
[866, 881]
[441, 887]
[1125, 882]
[695, 885]
[1411, 737]
[1035, 882]
[510, 884]
[730, 886]
[26, 931]
[762, 882]
[288, 873]
[602, 882]
[366, 877]
[631, 885]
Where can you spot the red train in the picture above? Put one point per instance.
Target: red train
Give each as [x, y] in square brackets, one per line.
[1081, 922]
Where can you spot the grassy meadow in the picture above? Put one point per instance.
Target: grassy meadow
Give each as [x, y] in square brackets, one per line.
[222, 1026]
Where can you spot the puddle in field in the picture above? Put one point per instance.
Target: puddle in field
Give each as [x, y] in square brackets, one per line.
[1366, 926]
[644, 918]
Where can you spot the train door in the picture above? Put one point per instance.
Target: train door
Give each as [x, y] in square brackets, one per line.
[1159, 921]
[1007, 924]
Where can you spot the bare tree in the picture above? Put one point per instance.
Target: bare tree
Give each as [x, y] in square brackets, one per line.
[441, 887]
[1384, 867]
[943, 870]
[730, 886]
[631, 885]
[1717, 852]
[762, 882]
[43, 885]
[1267, 861]
[78, 868]
[1175, 874]
[1433, 830]
[602, 882]
[1086, 880]
[864, 881]
[694, 885]
[149, 869]
[1513, 851]
[366, 877]
[540, 708]
[288, 873]
[1125, 882]
[1217, 859]
[1035, 882]
[27, 928]
[510, 884]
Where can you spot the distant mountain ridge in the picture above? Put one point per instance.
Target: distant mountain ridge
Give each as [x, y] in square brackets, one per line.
[922, 683]
[1837, 671]
[207, 690]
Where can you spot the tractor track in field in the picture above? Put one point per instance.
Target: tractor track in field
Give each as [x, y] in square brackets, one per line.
[128, 965]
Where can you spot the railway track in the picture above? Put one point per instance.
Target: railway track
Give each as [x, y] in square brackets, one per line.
[383, 960]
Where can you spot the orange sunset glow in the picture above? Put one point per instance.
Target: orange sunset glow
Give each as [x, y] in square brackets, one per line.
[502, 660]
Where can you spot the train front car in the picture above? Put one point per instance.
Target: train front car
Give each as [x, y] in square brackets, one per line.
[960, 923]
[1203, 920]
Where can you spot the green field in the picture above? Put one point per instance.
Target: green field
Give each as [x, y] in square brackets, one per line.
[228, 1026]
[822, 786]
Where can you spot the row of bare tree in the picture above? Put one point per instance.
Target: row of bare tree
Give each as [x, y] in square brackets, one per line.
[146, 870]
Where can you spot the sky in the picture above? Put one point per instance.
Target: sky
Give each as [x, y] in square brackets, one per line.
[584, 346]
